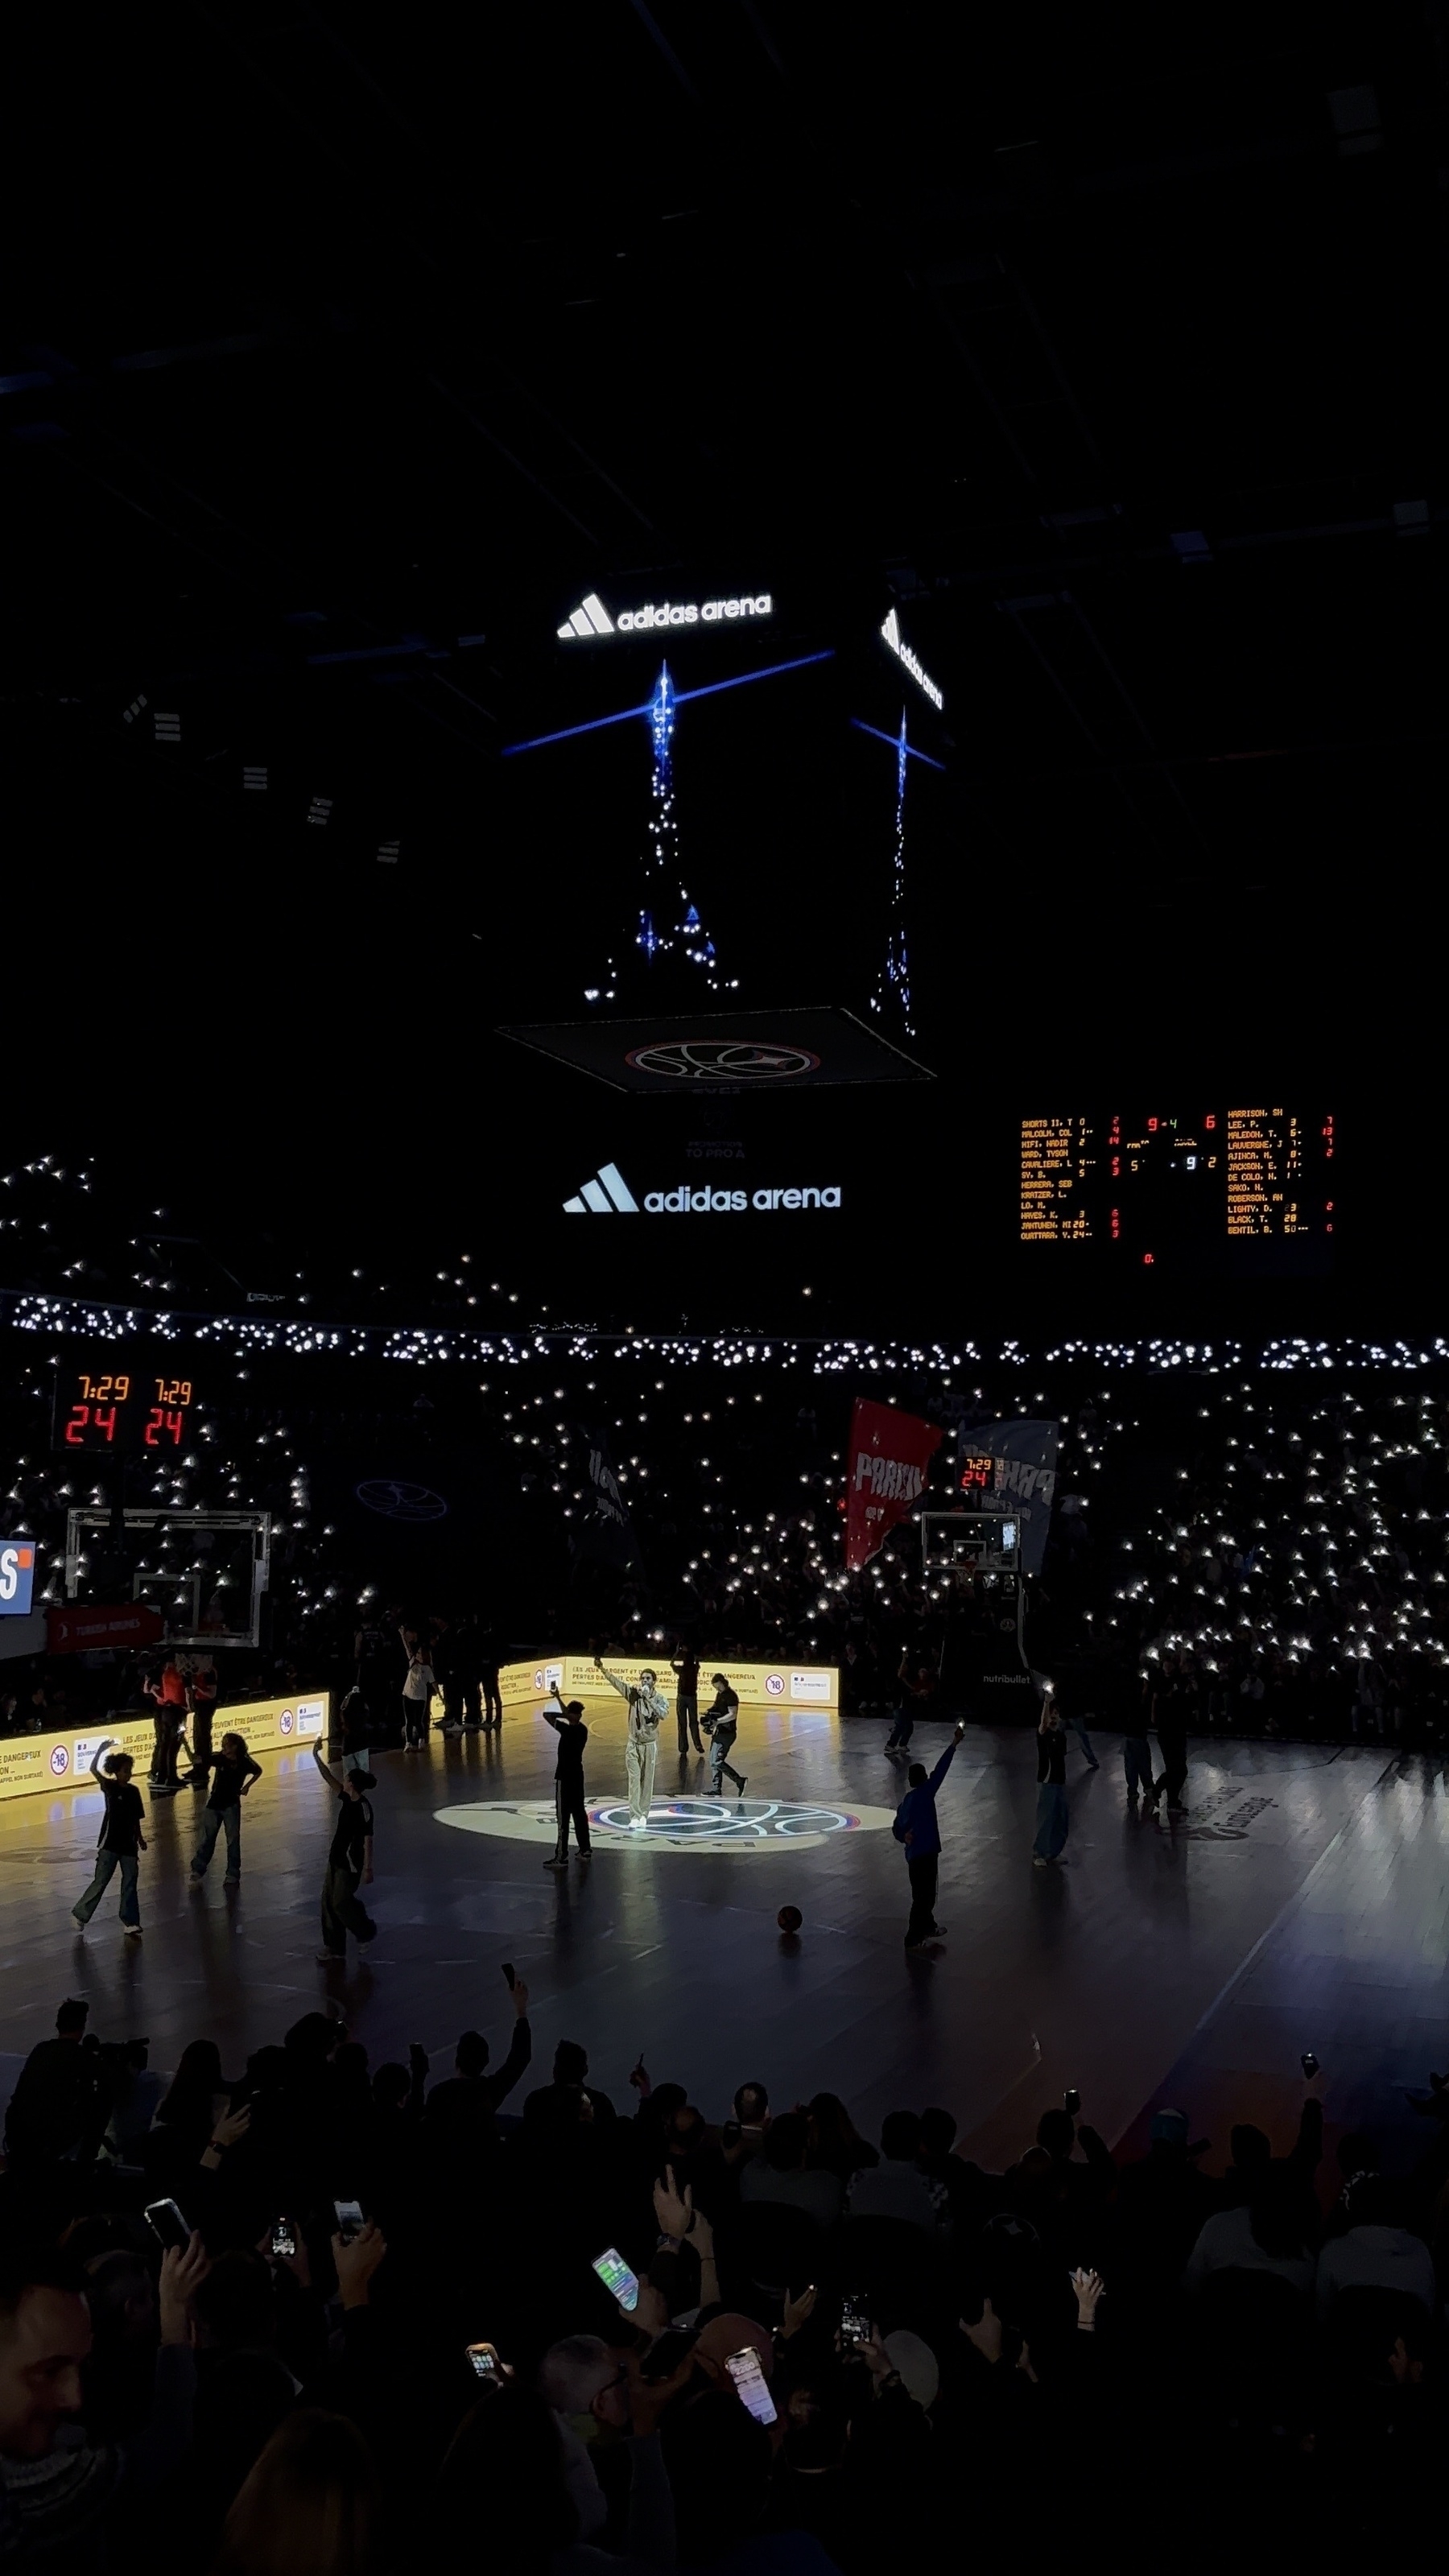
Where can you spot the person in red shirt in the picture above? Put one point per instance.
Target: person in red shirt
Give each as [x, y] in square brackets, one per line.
[169, 1693]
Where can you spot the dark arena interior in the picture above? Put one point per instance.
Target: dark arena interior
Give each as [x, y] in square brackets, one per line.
[724, 1378]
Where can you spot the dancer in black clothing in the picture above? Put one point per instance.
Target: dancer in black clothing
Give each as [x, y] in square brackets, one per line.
[487, 1656]
[1171, 1708]
[462, 1682]
[232, 1772]
[721, 1721]
[685, 1668]
[121, 1839]
[568, 1778]
[349, 1865]
[1052, 1815]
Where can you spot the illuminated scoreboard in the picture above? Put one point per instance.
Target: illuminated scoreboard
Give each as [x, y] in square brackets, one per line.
[120, 1400]
[1150, 1183]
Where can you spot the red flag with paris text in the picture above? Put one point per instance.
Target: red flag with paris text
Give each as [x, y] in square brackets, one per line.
[886, 1474]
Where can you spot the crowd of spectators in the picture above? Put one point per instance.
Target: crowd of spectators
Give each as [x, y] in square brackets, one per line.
[319, 2315]
[1275, 1544]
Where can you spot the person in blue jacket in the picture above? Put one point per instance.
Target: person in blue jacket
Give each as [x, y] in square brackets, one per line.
[919, 1834]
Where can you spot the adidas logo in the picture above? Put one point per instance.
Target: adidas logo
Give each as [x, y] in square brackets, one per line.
[590, 618]
[608, 1194]
[891, 634]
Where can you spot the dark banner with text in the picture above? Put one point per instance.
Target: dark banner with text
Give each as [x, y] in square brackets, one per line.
[1023, 1459]
[607, 1534]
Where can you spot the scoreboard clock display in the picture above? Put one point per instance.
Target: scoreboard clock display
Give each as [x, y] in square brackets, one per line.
[121, 1401]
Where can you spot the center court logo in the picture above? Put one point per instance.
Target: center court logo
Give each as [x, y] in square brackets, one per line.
[609, 1194]
[685, 1824]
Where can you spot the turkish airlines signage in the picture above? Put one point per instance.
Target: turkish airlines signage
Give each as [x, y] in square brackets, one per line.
[591, 621]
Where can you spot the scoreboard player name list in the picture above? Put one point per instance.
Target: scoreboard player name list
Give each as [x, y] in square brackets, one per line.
[1077, 1172]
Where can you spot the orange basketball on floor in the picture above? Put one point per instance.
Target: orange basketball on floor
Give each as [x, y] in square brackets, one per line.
[789, 1918]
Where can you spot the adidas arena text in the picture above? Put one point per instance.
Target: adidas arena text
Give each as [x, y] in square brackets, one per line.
[609, 1194]
[591, 618]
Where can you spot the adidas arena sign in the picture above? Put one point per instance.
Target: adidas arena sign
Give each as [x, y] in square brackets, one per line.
[891, 634]
[591, 618]
[609, 1194]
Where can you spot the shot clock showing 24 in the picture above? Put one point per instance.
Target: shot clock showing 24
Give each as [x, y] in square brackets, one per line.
[120, 1400]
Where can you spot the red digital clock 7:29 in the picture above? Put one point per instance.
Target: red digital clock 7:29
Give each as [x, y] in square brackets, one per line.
[135, 1406]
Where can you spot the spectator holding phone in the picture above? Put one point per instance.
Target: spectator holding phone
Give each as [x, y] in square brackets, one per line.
[459, 2115]
[55, 2493]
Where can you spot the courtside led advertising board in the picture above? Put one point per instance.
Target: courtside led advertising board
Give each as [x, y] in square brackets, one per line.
[758, 1685]
[62, 1759]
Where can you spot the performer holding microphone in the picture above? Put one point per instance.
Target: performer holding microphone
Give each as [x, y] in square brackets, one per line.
[647, 1708]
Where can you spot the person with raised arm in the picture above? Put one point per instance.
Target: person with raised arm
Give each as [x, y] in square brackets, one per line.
[647, 1708]
[568, 1779]
[120, 1841]
[917, 1831]
[349, 1864]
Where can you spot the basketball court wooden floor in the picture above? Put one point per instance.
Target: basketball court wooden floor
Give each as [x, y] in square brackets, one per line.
[1303, 1905]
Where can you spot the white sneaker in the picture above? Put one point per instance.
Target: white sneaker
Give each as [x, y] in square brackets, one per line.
[637, 1824]
[133, 1931]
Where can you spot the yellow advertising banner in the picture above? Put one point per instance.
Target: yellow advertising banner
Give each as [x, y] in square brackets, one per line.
[762, 1685]
[63, 1760]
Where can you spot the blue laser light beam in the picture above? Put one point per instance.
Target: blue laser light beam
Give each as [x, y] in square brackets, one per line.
[711, 689]
[893, 986]
[895, 743]
[771, 672]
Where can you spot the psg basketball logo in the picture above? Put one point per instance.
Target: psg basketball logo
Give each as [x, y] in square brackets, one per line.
[679, 1824]
[722, 1060]
[400, 1502]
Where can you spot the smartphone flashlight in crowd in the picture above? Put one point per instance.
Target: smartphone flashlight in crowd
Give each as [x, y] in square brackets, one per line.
[1309, 2064]
[744, 2369]
[1071, 2101]
[484, 2360]
[510, 1975]
[349, 2219]
[166, 2223]
[854, 2319]
[284, 2236]
[618, 2280]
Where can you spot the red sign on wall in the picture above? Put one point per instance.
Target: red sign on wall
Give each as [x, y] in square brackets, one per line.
[89, 1627]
